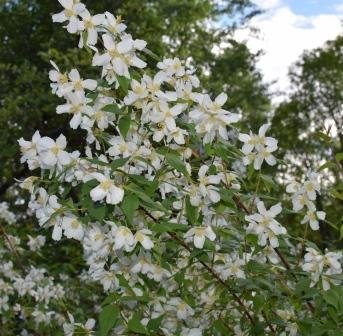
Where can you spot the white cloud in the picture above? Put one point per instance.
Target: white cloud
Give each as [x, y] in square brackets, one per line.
[267, 4]
[284, 36]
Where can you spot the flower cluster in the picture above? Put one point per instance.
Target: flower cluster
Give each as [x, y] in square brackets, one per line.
[265, 226]
[258, 148]
[304, 196]
[151, 194]
[5, 214]
[322, 266]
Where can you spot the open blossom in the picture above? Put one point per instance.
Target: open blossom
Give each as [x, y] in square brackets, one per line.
[35, 243]
[120, 55]
[312, 217]
[211, 118]
[199, 234]
[52, 152]
[172, 66]
[121, 147]
[123, 238]
[264, 225]
[69, 327]
[303, 196]
[206, 188]
[70, 13]
[258, 148]
[114, 24]
[89, 24]
[168, 114]
[106, 189]
[229, 266]
[183, 310]
[142, 237]
[63, 83]
[29, 152]
[76, 105]
[322, 266]
[72, 227]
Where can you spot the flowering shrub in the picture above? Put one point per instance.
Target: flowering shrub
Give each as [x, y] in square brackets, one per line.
[182, 237]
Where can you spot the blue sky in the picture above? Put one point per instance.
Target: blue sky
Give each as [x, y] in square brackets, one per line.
[313, 7]
[286, 29]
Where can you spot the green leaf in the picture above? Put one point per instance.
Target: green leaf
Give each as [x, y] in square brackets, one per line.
[146, 200]
[124, 83]
[92, 95]
[113, 108]
[108, 318]
[119, 163]
[339, 157]
[98, 212]
[169, 227]
[337, 195]
[174, 161]
[124, 125]
[136, 326]
[331, 298]
[329, 165]
[129, 205]
[191, 212]
[154, 324]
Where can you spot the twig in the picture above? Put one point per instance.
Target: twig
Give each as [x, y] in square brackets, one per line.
[240, 205]
[210, 270]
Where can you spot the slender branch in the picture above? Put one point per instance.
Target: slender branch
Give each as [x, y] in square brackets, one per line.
[241, 206]
[210, 270]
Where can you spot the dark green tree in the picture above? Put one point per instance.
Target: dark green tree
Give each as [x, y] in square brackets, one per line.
[184, 28]
[309, 127]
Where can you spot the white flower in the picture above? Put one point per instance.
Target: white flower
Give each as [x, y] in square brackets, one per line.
[76, 106]
[90, 23]
[52, 152]
[141, 264]
[158, 273]
[167, 114]
[4, 303]
[315, 263]
[142, 237]
[114, 25]
[123, 238]
[311, 186]
[119, 56]
[252, 141]
[139, 91]
[121, 147]
[29, 151]
[198, 235]
[106, 189]
[5, 214]
[28, 183]
[230, 266]
[72, 227]
[258, 148]
[35, 243]
[172, 66]
[102, 118]
[183, 310]
[59, 80]
[178, 135]
[79, 84]
[191, 332]
[264, 225]
[206, 188]
[211, 118]
[312, 216]
[71, 10]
